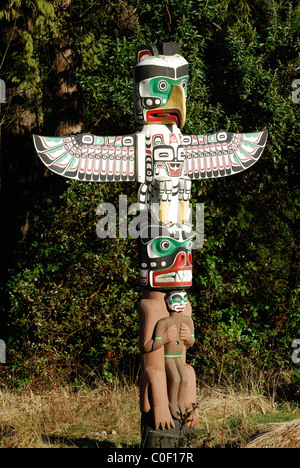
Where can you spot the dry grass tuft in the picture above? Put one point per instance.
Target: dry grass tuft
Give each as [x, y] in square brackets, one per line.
[65, 417]
[224, 414]
[238, 401]
[279, 435]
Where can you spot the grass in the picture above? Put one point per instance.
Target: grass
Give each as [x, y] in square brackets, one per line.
[283, 435]
[109, 417]
[230, 417]
[63, 417]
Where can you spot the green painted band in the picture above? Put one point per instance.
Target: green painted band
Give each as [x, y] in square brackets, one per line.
[173, 356]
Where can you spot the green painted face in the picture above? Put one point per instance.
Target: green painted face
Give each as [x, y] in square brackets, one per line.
[161, 87]
[167, 245]
[177, 301]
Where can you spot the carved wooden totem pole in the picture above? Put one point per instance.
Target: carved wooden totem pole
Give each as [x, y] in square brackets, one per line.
[164, 162]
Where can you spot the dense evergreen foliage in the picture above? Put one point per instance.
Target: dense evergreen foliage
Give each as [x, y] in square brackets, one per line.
[73, 297]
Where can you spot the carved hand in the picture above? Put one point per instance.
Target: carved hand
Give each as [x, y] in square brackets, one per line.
[184, 332]
[171, 334]
[162, 417]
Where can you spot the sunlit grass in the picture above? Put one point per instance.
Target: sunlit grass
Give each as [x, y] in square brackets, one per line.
[109, 416]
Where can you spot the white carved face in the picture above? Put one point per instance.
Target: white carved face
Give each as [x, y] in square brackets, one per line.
[177, 301]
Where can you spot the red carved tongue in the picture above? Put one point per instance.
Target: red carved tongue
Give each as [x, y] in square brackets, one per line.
[164, 115]
[169, 117]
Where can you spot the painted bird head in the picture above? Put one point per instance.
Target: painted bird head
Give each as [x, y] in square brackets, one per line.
[160, 84]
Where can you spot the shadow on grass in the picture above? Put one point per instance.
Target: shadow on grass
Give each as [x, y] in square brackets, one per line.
[83, 442]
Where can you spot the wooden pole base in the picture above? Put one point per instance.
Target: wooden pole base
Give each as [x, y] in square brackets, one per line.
[178, 437]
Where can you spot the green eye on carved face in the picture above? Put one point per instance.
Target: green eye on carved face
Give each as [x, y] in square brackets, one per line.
[162, 87]
[164, 246]
[167, 245]
[177, 299]
[184, 85]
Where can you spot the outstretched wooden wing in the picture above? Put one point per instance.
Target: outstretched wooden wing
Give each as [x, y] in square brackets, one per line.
[221, 154]
[89, 158]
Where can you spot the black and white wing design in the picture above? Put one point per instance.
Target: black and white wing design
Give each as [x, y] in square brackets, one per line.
[221, 154]
[89, 158]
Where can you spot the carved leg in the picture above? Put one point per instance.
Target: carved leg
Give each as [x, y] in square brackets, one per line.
[174, 381]
[156, 394]
[184, 193]
[191, 397]
[164, 189]
[182, 387]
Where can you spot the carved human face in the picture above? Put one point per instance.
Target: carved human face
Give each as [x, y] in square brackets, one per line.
[176, 301]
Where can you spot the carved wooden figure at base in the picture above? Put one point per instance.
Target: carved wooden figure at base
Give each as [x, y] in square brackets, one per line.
[180, 329]
[162, 392]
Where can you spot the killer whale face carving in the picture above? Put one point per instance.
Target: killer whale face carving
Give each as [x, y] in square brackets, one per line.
[165, 260]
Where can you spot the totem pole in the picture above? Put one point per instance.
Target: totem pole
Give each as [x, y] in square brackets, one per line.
[164, 162]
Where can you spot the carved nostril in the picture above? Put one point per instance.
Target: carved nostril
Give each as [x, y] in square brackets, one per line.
[181, 259]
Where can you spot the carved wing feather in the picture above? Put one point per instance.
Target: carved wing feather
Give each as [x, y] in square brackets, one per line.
[89, 158]
[221, 154]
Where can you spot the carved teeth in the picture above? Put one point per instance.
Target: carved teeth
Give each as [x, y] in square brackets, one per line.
[166, 278]
[175, 277]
